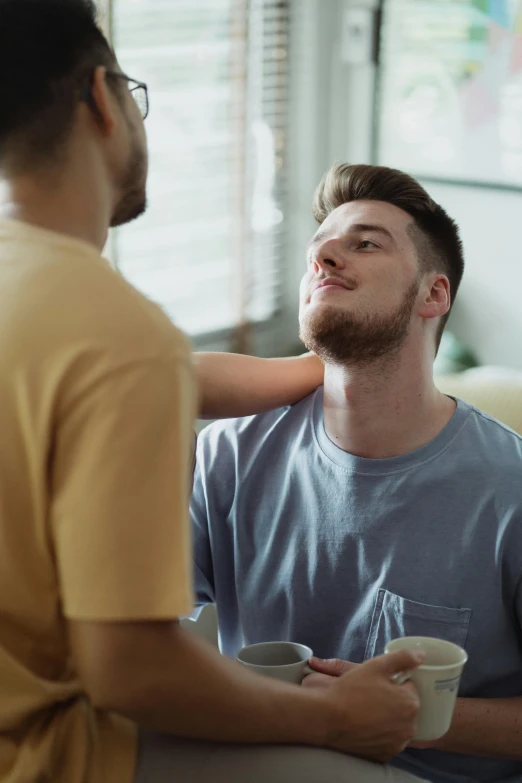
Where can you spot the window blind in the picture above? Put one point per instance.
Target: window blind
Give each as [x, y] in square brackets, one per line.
[212, 244]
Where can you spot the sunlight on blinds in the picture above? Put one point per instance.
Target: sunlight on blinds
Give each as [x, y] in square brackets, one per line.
[211, 246]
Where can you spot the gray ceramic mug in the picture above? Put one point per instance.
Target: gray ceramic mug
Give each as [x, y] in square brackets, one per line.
[285, 661]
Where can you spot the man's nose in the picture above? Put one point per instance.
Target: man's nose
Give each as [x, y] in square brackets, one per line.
[327, 257]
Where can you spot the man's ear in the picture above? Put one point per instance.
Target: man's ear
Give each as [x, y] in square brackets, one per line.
[437, 299]
[103, 101]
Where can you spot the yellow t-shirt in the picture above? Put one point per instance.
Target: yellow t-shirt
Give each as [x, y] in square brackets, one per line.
[97, 402]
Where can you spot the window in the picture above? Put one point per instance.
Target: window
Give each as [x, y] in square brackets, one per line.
[211, 246]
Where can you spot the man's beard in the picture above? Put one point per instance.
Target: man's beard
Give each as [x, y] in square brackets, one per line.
[133, 201]
[342, 338]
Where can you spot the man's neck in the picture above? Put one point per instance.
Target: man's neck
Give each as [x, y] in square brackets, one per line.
[384, 409]
[72, 202]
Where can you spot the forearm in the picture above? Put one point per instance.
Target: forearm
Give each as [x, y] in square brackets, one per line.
[179, 685]
[484, 727]
[233, 385]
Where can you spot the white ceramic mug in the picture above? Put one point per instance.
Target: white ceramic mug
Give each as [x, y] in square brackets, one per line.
[283, 660]
[437, 681]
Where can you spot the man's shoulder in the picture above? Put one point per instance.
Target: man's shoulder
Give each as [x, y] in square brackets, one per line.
[255, 433]
[494, 435]
[67, 293]
[492, 449]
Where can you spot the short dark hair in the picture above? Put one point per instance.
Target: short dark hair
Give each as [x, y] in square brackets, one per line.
[49, 50]
[434, 234]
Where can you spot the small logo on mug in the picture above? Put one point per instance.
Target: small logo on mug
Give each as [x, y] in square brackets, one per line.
[447, 685]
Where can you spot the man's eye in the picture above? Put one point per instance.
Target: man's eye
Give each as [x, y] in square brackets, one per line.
[365, 244]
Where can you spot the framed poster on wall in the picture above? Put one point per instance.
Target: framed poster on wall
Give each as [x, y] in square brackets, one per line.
[449, 101]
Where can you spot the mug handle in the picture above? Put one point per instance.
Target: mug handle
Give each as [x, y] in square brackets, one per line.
[308, 670]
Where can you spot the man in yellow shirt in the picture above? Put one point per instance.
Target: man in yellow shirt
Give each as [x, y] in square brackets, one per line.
[97, 402]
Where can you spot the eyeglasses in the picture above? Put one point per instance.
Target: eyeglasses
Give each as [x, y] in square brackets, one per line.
[139, 92]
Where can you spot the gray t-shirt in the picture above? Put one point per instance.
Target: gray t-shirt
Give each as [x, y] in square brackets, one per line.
[296, 539]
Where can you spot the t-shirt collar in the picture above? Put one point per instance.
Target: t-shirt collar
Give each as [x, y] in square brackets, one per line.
[403, 462]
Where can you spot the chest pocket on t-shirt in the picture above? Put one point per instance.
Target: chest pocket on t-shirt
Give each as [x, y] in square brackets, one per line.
[395, 616]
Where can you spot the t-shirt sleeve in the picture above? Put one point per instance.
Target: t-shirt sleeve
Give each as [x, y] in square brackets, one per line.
[203, 569]
[121, 472]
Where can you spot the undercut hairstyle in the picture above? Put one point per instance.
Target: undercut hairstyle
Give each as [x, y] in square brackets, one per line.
[434, 234]
[49, 50]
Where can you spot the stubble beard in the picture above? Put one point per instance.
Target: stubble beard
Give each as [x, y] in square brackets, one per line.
[340, 337]
[133, 202]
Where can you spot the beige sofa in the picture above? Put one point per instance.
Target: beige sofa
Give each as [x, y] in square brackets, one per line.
[495, 390]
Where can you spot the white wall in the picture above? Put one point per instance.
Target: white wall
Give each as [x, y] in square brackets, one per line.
[488, 311]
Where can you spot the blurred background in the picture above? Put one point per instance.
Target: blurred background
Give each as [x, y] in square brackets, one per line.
[252, 100]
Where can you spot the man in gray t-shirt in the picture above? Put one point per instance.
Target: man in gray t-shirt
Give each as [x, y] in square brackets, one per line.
[377, 507]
